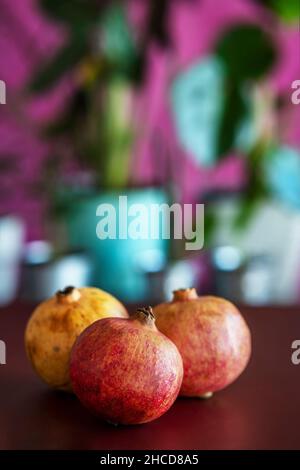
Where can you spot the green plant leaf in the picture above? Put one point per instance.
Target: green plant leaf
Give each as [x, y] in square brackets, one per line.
[287, 10]
[247, 52]
[117, 134]
[74, 12]
[233, 113]
[210, 224]
[256, 190]
[67, 123]
[62, 63]
[158, 22]
[118, 43]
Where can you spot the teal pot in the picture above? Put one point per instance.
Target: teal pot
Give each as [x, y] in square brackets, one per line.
[121, 266]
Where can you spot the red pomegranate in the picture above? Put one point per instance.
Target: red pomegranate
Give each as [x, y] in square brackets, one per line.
[125, 370]
[212, 337]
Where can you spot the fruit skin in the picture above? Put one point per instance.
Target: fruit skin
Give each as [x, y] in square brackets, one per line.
[212, 337]
[56, 323]
[126, 371]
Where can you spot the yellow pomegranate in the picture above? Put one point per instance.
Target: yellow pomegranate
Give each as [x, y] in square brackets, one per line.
[56, 323]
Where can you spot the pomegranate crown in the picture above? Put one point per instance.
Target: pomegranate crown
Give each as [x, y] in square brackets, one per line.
[68, 295]
[147, 311]
[66, 291]
[185, 294]
[146, 316]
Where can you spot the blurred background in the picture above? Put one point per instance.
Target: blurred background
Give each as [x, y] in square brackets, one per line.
[163, 101]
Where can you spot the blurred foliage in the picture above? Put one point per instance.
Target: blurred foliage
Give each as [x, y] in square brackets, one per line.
[66, 59]
[106, 61]
[121, 50]
[247, 51]
[76, 12]
[282, 173]
[287, 10]
[8, 169]
[248, 54]
[80, 16]
[233, 114]
[256, 189]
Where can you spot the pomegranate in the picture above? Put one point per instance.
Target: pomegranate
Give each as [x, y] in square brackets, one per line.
[125, 370]
[212, 337]
[56, 323]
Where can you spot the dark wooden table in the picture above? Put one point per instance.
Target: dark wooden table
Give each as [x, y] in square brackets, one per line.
[260, 411]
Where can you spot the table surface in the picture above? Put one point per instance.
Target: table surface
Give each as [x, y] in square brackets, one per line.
[261, 410]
